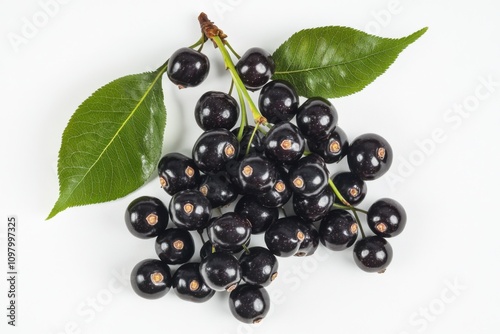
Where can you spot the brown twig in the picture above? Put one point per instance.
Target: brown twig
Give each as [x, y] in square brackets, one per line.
[209, 29]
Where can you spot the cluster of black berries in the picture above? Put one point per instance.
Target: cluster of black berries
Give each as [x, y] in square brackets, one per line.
[260, 171]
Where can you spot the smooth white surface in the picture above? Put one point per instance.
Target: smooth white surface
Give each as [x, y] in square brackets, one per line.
[74, 268]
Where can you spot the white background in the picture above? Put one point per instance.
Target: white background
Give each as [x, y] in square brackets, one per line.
[74, 268]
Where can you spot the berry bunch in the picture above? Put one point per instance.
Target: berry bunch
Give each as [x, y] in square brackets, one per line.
[286, 156]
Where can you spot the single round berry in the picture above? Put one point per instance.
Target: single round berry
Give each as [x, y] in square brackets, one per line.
[313, 208]
[177, 172]
[255, 68]
[280, 193]
[338, 230]
[350, 186]
[189, 285]
[218, 189]
[283, 238]
[213, 149]
[278, 101]
[284, 143]
[259, 216]
[190, 210]
[175, 246]
[188, 67]
[216, 110]
[316, 118]
[229, 231]
[369, 156]
[249, 303]
[146, 217]
[310, 244]
[256, 174]
[373, 254]
[386, 217]
[151, 279]
[221, 271]
[309, 175]
[258, 266]
[333, 148]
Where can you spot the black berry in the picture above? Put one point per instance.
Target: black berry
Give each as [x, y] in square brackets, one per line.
[372, 254]
[255, 68]
[386, 217]
[188, 67]
[151, 279]
[177, 172]
[146, 217]
[189, 285]
[190, 210]
[369, 156]
[316, 118]
[220, 271]
[278, 101]
[213, 149]
[174, 246]
[216, 110]
[338, 230]
[249, 303]
[258, 266]
[350, 186]
[259, 216]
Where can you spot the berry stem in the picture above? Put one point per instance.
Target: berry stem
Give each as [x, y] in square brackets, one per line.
[244, 119]
[232, 50]
[338, 194]
[340, 206]
[200, 232]
[359, 222]
[251, 138]
[237, 80]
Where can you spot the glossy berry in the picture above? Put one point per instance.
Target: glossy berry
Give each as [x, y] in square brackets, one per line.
[189, 285]
[255, 68]
[151, 279]
[284, 143]
[369, 156]
[188, 67]
[208, 248]
[386, 217]
[350, 186]
[310, 244]
[278, 101]
[372, 254]
[259, 216]
[218, 189]
[249, 303]
[177, 172]
[256, 174]
[221, 271]
[216, 110]
[333, 148]
[213, 149]
[313, 208]
[249, 134]
[229, 231]
[283, 238]
[280, 193]
[258, 266]
[316, 118]
[309, 175]
[190, 210]
[146, 217]
[175, 246]
[338, 230]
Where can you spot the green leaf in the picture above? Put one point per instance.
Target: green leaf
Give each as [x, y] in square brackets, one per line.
[113, 141]
[336, 61]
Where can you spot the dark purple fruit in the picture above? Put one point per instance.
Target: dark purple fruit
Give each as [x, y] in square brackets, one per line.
[146, 217]
[256, 174]
[386, 217]
[278, 101]
[190, 210]
[259, 216]
[151, 279]
[229, 231]
[216, 110]
[250, 137]
[258, 266]
[220, 271]
[313, 208]
[372, 254]
[350, 186]
[310, 244]
[316, 118]
[177, 172]
[249, 303]
[175, 246]
[369, 156]
[283, 238]
[188, 67]
[280, 193]
[284, 143]
[218, 189]
[333, 148]
[338, 230]
[189, 285]
[309, 175]
[213, 149]
[255, 68]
